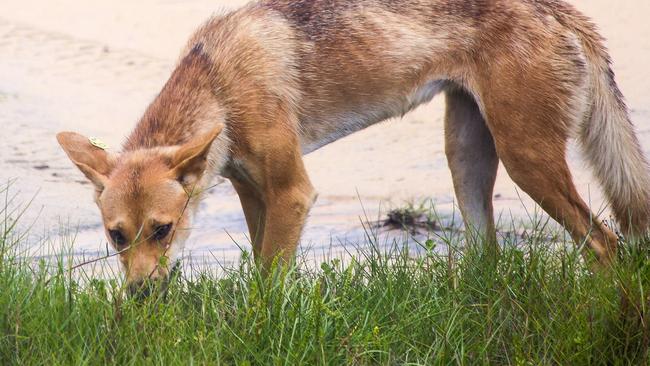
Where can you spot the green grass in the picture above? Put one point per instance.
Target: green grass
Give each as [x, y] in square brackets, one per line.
[528, 305]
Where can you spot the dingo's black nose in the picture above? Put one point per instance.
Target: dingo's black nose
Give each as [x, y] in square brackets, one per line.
[140, 289]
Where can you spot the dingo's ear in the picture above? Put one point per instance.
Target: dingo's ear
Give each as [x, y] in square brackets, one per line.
[191, 160]
[92, 159]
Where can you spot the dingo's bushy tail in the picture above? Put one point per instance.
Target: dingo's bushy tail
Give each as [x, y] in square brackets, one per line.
[609, 139]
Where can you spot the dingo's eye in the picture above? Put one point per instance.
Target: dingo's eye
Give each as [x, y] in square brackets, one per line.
[161, 232]
[117, 237]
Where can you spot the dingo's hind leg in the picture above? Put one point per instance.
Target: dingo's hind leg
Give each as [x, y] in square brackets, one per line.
[532, 146]
[473, 163]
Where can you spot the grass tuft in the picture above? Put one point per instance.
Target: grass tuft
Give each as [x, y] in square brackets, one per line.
[534, 304]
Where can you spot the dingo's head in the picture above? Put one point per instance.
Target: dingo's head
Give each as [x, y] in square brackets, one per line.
[145, 198]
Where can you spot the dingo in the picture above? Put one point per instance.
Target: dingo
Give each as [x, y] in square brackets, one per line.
[259, 87]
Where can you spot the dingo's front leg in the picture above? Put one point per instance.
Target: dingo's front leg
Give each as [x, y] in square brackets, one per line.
[254, 212]
[286, 213]
[288, 197]
[276, 195]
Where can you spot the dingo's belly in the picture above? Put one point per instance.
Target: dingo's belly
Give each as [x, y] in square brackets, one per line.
[319, 128]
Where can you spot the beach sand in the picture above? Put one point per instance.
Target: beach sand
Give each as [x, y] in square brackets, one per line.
[93, 66]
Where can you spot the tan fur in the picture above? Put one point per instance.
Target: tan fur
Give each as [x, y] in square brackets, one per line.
[286, 77]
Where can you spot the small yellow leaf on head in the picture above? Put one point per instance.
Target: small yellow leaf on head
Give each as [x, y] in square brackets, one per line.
[98, 143]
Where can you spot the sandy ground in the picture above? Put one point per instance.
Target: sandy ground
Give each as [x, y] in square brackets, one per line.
[93, 66]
